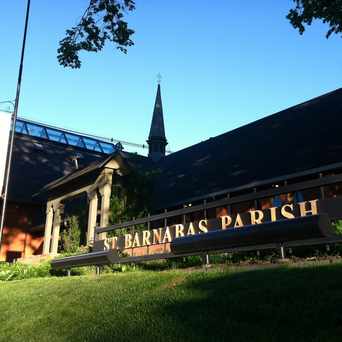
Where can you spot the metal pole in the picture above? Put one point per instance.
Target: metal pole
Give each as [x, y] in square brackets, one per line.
[282, 252]
[207, 261]
[13, 119]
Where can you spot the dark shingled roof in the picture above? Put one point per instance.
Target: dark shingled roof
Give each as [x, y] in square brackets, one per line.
[295, 140]
[132, 159]
[302, 137]
[37, 162]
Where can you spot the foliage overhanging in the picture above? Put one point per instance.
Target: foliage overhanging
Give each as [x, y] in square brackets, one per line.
[105, 21]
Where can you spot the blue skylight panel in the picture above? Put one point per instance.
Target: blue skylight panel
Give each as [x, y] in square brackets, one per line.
[19, 126]
[64, 137]
[107, 148]
[90, 143]
[72, 139]
[53, 134]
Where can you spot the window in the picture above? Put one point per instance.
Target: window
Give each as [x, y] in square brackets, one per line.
[334, 190]
[221, 211]
[311, 194]
[290, 197]
[265, 203]
[243, 207]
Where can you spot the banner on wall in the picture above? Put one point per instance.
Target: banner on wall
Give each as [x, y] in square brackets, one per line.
[5, 127]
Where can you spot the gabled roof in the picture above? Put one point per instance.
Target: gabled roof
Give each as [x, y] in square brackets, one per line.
[37, 162]
[126, 159]
[77, 173]
[300, 138]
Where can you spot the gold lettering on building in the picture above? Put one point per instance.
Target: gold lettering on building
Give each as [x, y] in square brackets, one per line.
[226, 221]
[107, 244]
[157, 235]
[273, 211]
[136, 242]
[114, 242]
[191, 229]
[203, 226]
[167, 235]
[238, 221]
[256, 216]
[287, 211]
[146, 238]
[179, 230]
[128, 240]
[313, 210]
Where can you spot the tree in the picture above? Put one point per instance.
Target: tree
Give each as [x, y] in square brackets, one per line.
[306, 11]
[102, 21]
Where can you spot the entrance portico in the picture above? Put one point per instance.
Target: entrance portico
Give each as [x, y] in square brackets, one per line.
[96, 181]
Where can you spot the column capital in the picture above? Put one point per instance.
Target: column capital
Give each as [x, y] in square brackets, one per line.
[58, 207]
[107, 174]
[108, 171]
[55, 203]
[91, 193]
[105, 189]
[49, 208]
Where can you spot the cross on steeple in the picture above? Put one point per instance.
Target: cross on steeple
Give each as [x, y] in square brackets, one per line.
[159, 78]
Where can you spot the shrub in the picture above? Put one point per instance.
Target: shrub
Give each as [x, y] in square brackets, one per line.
[184, 262]
[121, 268]
[337, 227]
[75, 251]
[17, 271]
[71, 236]
[74, 271]
[155, 265]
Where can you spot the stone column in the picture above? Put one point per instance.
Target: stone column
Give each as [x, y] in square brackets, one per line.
[56, 228]
[48, 228]
[105, 192]
[92, 215]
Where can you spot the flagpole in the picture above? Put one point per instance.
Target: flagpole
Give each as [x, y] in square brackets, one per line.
[13, 123]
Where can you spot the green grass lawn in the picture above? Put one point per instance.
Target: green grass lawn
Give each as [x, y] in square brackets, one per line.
[275, 304]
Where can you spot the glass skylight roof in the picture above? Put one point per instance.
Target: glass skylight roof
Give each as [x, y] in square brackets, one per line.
[63, 136]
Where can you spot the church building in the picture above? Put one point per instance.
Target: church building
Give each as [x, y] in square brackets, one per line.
[242, 177]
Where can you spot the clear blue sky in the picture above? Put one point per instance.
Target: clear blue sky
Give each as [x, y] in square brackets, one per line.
[223, 66]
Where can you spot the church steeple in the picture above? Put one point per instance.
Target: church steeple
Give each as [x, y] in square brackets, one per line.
[156, 139]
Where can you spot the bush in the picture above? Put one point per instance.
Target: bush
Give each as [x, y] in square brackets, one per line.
[155, 265]
[76, 251]
[17, 271]
[71, 236]
[120, 268]
[184, 262]
[337, 227]
[74, 271]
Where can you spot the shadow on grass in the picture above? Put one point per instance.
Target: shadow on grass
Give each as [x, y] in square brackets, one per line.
[265, 305]
[284, 304]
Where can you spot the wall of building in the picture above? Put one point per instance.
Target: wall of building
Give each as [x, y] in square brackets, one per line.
[23, 233]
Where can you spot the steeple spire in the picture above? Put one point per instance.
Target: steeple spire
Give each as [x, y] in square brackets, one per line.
[156, 139]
